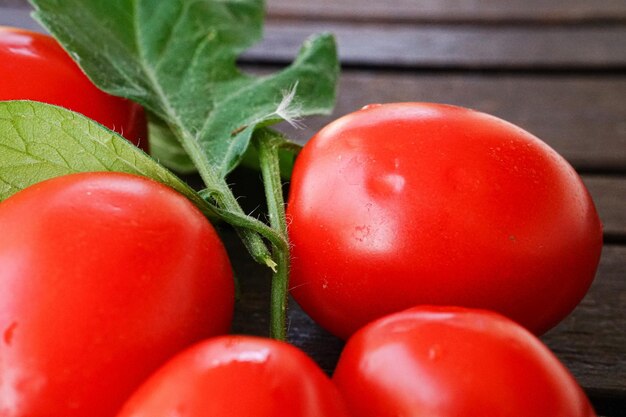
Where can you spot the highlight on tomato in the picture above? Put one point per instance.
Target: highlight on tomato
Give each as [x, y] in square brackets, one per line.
[104, 277]
[237, 376]
[451, 361]
[33, 66]
[403, 204]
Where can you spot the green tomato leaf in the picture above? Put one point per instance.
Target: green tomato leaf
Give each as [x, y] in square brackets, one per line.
[165, 148]
[40, 141]
[178, 59]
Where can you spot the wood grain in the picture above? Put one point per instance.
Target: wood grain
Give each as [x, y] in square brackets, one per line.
[591, 342]
[443, 46]
[453, 10]
[609, 195]
[582, 117]
[17, 4]
[453, 46]
[548, 11]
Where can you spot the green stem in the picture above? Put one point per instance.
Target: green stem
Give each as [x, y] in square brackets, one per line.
[268, 144]
[247, 222]
[224, 199]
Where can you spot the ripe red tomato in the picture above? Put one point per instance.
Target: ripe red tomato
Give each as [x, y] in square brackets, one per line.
[103, 277]
[33, 66]
[404, 204]
[448, 362]
[237, 376]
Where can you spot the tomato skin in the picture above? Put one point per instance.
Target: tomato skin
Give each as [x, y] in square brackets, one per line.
[447, 361]
[237, 376]
[33, 66]
[104, 276]
[403, 204]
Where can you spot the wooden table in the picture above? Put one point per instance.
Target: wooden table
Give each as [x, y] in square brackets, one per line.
[556, 68]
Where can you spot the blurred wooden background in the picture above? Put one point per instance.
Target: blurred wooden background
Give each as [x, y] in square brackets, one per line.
[556, 68]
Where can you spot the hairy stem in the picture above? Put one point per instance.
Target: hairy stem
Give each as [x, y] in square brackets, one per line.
[227, 206]
[268, 144]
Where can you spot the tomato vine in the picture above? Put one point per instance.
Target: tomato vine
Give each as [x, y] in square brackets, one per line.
[180, 62]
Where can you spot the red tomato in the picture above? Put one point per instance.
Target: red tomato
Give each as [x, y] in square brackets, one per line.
[104, 276]
[449, 362]
[237, 376]
[404, 204]
[33, 66]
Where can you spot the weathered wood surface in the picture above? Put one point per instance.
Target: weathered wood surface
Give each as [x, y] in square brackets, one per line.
[459, 11]
[548, 11]
[609, 195]
[432, 46]
[590, 341]
[557, 68]
[582, 117]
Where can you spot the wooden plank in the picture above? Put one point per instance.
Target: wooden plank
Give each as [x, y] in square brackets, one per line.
[609, 195]
[436, 46]
[18, 17]
[592, 340]
[453, 10]
[556, 109]
[18, 4]
[441, 10]
[582, 117]
[454, 46]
